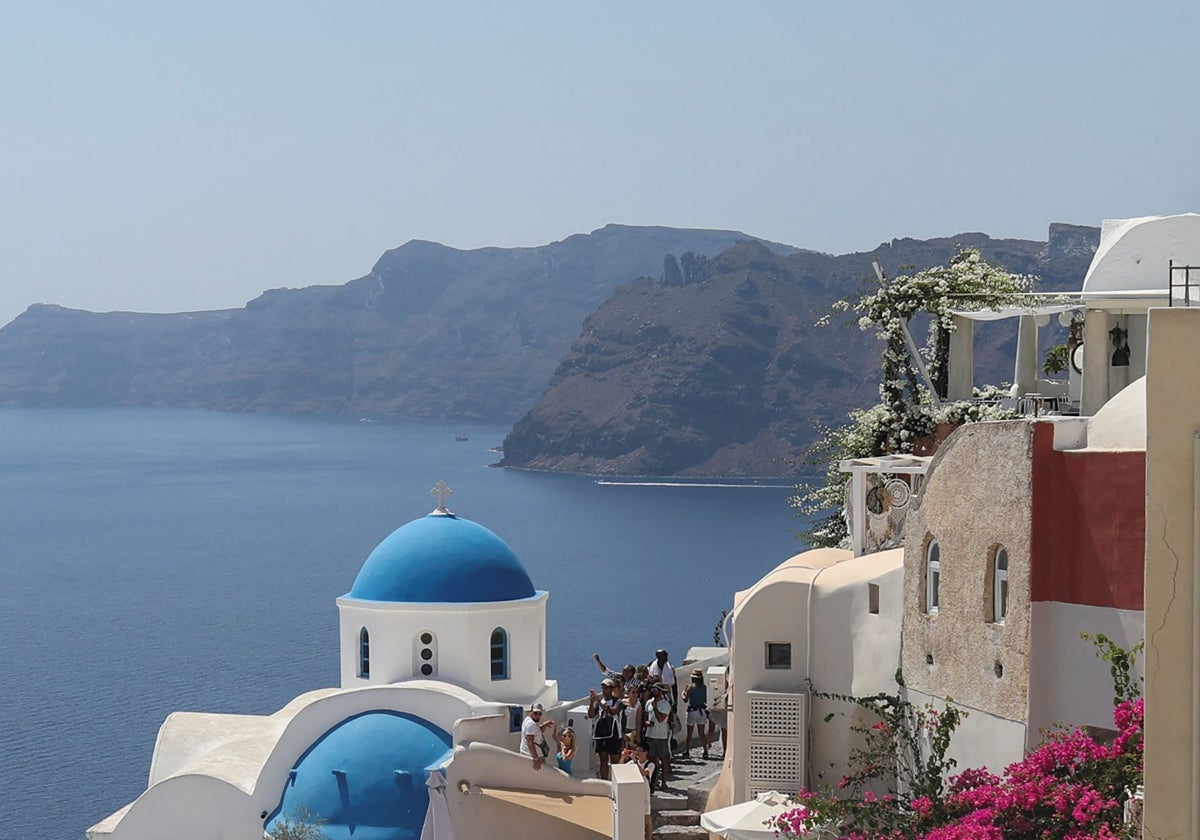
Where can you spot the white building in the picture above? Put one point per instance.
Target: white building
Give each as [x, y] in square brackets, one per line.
[1021, 535]
[442, 644]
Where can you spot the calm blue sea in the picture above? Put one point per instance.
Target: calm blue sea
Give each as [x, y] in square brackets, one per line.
[155, 560]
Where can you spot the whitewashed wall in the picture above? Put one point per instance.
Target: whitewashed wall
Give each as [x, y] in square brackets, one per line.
[462, 635]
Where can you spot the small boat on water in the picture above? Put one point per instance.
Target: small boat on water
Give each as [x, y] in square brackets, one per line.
[461, 436]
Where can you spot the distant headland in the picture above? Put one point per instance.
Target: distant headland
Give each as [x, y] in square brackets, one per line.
[628, 350]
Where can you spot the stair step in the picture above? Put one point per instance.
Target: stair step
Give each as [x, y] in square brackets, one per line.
[687, 817]
[668, 800]
[681, 832]
[698, 797]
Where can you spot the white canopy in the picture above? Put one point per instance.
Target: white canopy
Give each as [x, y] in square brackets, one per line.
[747, 820]
[1003, 312]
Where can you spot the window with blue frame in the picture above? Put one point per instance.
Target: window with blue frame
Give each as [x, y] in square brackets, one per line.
[499, 654]
[364, 653]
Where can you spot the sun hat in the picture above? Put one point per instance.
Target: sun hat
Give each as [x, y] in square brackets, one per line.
[697, 674]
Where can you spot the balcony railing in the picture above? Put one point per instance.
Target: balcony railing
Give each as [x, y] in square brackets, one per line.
[1184, 284]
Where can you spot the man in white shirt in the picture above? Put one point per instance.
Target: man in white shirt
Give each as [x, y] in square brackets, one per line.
[664, 672]
[533, 736]
[658, 731]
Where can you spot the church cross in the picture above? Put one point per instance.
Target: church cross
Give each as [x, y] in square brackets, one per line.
[441, 491]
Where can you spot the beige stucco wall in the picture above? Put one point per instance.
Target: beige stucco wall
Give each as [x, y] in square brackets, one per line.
[485, 766]
[977, 495]
[1172, 704]
[853, 651]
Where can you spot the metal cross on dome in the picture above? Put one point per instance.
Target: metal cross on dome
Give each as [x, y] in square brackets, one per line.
[441, 491]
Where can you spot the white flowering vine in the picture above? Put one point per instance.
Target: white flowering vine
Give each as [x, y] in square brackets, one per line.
[906, 414]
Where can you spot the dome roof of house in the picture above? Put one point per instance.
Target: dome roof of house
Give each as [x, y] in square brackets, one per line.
[1133, 254]
[366, 777]
[442, 558]
[1121, 422]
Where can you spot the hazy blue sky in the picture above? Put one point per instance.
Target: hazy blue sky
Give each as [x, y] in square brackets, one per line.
[164, 156]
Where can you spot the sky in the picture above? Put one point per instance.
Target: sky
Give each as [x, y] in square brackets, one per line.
[165, 156]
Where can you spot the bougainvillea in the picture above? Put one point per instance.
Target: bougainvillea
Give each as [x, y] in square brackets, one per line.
[1071, 787]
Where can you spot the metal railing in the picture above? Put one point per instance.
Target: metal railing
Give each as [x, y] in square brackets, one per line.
[1181, 279]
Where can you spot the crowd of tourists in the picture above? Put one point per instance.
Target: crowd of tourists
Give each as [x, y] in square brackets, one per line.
[636, 717]
[639, 711]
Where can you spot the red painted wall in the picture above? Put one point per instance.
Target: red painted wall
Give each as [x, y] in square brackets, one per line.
[1088, 541]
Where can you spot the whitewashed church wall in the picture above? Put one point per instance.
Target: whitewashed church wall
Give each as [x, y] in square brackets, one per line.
[189, 807]
[462, 644]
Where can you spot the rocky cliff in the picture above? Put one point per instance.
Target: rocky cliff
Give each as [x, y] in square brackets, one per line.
[716, 368]
[431, 332]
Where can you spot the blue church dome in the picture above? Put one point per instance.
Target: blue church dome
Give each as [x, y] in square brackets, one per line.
[442, 558]
[365, 778]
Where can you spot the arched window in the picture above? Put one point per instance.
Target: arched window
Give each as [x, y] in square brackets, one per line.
[364, 653]
[933, 576]
[499, 654]
[1000, 585]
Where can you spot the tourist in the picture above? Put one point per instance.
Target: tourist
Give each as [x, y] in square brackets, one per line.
[642, 675]
[604, 710]
[628, 674]
[566, 747]
[658, 730]
[636, 701]
[696, 698]
[642, 758]
[718, 715]
[662, 671]
[629, 747]
[533, 736]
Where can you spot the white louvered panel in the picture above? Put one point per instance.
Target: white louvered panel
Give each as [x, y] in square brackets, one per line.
[777, 738]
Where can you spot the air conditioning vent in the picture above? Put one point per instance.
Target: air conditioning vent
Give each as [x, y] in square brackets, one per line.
[778, 723]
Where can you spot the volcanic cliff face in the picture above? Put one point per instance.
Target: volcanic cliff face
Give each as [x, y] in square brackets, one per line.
[713, 369]
[430, 332]
[716, 369]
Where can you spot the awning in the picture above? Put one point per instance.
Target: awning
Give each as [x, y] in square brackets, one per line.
[1002, 312]
[591, 813]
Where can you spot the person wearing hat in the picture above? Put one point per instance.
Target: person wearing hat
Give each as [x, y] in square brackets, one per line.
[533, 736]
[658, 730]
[696, 697]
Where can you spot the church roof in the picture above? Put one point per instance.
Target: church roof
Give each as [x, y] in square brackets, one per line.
[365, 778]
[442, 558]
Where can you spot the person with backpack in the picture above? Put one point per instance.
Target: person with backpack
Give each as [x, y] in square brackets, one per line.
[604, 710]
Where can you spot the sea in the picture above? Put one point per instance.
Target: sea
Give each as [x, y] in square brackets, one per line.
[154, 560]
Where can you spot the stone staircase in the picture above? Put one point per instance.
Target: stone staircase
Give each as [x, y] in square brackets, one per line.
[675, 812]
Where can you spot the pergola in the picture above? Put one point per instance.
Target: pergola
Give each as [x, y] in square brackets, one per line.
[859, 468]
